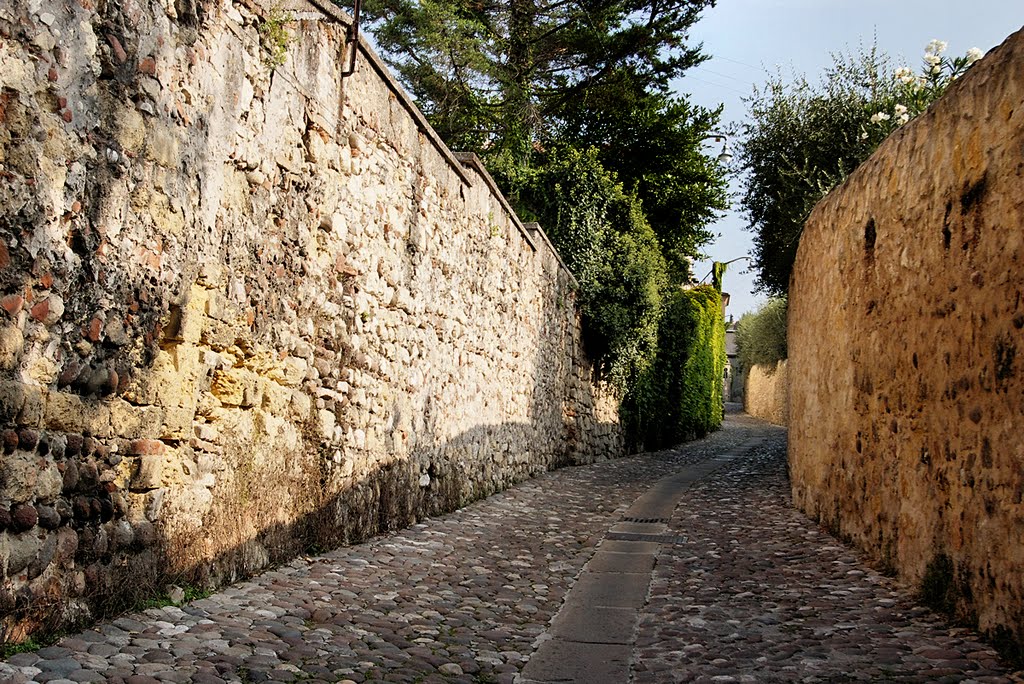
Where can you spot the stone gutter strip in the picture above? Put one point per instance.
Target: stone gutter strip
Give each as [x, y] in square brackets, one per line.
[591, 638]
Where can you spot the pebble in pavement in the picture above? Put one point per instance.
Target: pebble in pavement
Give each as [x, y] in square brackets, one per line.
[465, 598]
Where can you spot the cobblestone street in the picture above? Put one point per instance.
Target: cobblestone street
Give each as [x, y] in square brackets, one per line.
[743, 589]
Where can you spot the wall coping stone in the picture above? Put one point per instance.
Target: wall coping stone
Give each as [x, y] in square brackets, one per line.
[458, 161]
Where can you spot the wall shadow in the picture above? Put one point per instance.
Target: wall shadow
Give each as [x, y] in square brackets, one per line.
[99, 296]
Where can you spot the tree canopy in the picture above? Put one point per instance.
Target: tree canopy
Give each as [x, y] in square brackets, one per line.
[802, 139]
[495, 73]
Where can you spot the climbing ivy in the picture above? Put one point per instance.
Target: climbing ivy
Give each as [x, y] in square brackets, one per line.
[662, 347]
[680, 396]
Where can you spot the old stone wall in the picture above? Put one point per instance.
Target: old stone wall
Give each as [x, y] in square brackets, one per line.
[766, 393]
[905, 329]
[249, 309]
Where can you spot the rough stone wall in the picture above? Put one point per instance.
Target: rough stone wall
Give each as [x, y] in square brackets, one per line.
[905, 328]
[248, 311]
[766, 393]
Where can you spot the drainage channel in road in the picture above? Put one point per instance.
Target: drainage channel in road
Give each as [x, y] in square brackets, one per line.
[591, 637]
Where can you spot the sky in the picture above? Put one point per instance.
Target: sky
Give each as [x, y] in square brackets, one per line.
[748, 39]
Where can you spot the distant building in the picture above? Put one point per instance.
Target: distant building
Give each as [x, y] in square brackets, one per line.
[732, 382]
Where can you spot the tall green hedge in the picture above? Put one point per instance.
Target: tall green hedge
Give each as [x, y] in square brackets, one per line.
[662, 347]
[680, 397]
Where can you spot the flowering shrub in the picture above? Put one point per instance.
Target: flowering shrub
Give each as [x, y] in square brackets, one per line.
[803, 138]
[914, 92]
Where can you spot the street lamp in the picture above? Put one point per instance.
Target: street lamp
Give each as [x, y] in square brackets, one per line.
[725, 156]
[723, 263]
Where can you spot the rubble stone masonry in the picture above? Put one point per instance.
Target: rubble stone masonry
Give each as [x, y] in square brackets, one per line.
[766, 394]
[906, 362]
[249, 309]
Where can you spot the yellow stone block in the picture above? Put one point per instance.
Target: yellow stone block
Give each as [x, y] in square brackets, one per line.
[70, 413]
[135, 422]
[227, 386]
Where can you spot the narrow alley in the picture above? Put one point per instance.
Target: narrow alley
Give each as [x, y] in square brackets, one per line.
[683, 565]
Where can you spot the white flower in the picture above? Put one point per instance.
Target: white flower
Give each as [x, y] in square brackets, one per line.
[899, 110]
[904, 74]
[864, 135]
[902, 119]
[936, 46]
[974, 54]
[932, 59]
[879, 117]
[936, 69]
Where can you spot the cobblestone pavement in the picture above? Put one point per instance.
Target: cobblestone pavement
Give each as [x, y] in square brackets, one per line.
[756, 593]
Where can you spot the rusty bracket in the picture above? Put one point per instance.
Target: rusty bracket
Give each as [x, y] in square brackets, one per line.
[352, 39]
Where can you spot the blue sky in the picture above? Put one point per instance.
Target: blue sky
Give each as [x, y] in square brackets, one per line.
[748, 38]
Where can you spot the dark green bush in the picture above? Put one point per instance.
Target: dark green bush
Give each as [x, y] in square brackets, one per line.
[680, 396]
[601, 233]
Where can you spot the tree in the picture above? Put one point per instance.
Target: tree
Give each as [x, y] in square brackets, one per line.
[490, 74]
[602, 234]
[801, 140]
[761, 336]
[652, 142]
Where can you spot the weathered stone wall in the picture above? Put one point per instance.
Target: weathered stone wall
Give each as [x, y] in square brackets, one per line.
[249, 311]
[766, 393]
[905, 328]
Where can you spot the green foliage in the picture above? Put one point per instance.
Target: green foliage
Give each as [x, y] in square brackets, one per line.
[761, 336]
[275, 37]
[801, 140]
[653, 143]
[680, 395]
[28, 646]
[494, 75]
[162, 600]
[600, 231]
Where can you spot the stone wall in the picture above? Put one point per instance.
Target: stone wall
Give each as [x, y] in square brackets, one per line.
[249, 309]
[906, 316]
[766, 393]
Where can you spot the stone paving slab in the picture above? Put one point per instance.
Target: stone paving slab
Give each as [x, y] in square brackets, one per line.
[642, 528]
[610, 561]
[595, 624]
[613, 589]
[633, 548]
[754, 592]
[571, 661]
